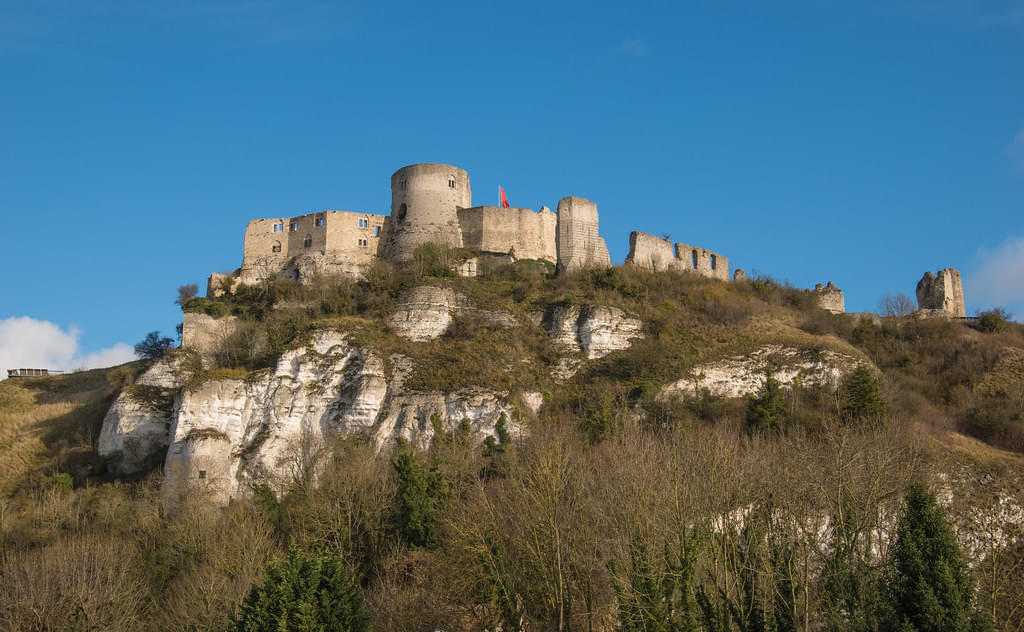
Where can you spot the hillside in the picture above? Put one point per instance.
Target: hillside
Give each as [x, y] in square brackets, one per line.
[518, 449]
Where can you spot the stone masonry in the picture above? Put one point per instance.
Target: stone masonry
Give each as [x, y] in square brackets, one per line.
[829, 297]
[430, 203]
[655, 253]
[942, 293]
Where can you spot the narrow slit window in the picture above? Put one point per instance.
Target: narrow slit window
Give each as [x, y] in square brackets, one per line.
[202, 474]
[714, 262]
[376, 231]
[693, 257]
[451, 183]
[308, 241]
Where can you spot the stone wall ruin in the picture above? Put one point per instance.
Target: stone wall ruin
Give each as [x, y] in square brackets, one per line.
[941, 294]
[656, 253]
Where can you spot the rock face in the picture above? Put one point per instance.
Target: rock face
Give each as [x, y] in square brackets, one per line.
[741, 375]
[423, 312]
[135, 427]
[595, 330]
[941, 292]
[228, 434]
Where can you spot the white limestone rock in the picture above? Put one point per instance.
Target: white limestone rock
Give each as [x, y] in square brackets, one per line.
[135, 428]
[741, 375]
[596, 330]
[229, 434]
[423, 312]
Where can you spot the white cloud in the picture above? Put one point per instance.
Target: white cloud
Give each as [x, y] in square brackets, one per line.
[998, 281]
[38, 344]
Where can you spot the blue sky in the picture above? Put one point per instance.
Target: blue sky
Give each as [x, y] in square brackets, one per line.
[860, 142]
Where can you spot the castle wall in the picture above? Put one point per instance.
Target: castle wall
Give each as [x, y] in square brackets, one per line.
[942, 291]
[703, 262]
[650, 252]
[425, 199]
[497, 229]
[578, 244]
[339, 241]
[655, 253]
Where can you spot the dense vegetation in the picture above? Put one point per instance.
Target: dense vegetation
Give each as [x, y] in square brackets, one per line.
[793, 509]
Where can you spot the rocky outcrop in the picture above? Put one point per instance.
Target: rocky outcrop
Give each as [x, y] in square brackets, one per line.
[135, 428]
[741, 375]
[595, 330]
[423, 312]
[228, 434]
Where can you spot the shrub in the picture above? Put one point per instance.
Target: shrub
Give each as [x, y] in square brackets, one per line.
[421, 497]
[302, 593]
[993, 321]
[186, 293]
[861, 400]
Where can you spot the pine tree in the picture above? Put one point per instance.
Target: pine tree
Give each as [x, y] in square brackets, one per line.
[300, 593]
[862, 400]
[927, 587]
[421, 495]
[766, 410]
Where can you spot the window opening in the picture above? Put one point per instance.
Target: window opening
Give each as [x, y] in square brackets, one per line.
[276, 247]
[202, 474]
[363, 223]
[362, 243]
[402, 210]
[403, 185]
[376, 231]
[714, 262]
[693, 256]
[451, 183]
[295, 226]
[308, 241]
[319, 221]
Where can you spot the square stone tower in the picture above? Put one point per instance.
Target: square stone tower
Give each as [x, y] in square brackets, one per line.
[942, 292]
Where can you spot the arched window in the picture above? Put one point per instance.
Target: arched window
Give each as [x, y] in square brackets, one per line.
[693, 257]
[402, 210]
[276, 247]
[451, 182]
[308, 241]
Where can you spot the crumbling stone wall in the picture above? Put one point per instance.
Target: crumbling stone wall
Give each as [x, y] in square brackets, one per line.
[499, 230]
[942, 292]
[653, 253]
[830, 297]
[656, 253]
[578, 244]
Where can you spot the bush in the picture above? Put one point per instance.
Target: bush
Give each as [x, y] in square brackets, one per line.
[993, 321]
[766, 410]
[186, 293]
[861, 400]
[302, 593]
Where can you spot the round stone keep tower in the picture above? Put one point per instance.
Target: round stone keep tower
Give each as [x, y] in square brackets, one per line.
[425, 199]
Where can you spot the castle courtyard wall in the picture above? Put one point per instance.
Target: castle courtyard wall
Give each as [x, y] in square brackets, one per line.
[496, 229]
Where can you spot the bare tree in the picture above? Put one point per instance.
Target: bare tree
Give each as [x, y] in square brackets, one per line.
[896, 305]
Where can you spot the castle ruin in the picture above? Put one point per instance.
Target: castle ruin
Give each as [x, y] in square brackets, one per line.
[941, 294]
[430, 203]
[656, 253]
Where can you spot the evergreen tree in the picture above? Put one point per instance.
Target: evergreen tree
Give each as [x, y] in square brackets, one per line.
[927, 588]
[862, 400]
[300, 593]
[421, 496]
[766, 410]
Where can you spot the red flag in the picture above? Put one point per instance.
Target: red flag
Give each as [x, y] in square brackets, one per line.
[504, 200]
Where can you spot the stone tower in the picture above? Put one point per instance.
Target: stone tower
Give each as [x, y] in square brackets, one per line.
[576, 240]
[942, 292]
[425, 199]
